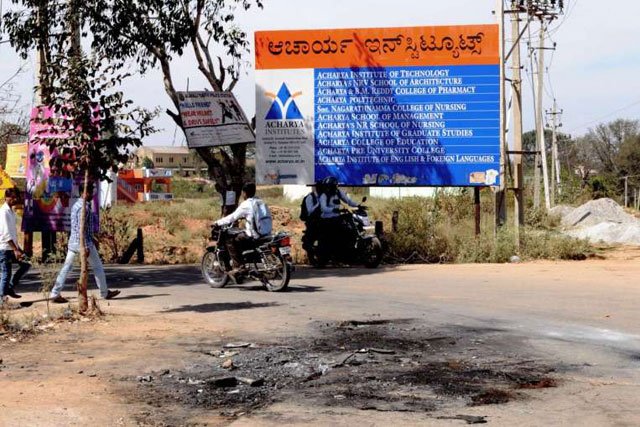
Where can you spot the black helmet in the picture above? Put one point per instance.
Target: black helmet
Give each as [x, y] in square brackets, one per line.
[330, 181]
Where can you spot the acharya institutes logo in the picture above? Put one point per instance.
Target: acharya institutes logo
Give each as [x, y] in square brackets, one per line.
[284, 106]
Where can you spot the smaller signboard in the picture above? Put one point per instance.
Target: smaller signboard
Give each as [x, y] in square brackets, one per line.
[213, 119]
[17, 160]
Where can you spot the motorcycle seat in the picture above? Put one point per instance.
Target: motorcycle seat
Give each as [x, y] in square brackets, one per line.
[264, 239]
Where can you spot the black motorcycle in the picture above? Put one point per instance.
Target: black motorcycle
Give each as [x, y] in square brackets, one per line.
[358, 244]
[268, 260]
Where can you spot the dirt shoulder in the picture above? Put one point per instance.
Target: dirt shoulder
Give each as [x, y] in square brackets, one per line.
[527, 344]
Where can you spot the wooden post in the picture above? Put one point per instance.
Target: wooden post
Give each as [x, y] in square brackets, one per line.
[394, 221]
[28, 243]
[140, 247]
[476, 202]
[46, 245]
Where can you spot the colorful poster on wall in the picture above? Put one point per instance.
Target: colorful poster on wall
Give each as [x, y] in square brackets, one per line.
[48, 199]
[5, 183]
[211, 119]
[380, 106]
[16, 166]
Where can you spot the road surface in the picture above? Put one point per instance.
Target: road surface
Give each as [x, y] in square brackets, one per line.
[578, 318]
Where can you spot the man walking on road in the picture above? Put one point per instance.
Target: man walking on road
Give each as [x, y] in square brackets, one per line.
[10, 251]
[74, 250]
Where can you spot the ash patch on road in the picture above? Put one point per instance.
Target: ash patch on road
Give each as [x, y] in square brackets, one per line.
[382, 365]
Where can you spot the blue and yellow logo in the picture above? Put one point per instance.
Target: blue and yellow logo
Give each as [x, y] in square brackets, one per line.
[284, 106]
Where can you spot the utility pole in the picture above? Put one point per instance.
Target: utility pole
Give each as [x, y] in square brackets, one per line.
[626, 191]
[555, 159]
[516, 85]
[545, 11]
[542, 146]
[41, 94]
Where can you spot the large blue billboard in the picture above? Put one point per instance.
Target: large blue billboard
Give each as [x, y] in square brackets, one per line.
[371, 119]
[408, 126]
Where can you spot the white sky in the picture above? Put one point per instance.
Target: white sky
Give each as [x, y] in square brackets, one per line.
[593, 72]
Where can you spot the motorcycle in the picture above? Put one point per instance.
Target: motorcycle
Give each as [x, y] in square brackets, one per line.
[268, 260]
[358, 243]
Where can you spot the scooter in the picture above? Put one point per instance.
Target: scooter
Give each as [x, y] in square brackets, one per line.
[268, 261]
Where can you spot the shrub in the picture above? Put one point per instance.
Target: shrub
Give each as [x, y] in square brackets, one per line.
[193, 189]
[116, 233]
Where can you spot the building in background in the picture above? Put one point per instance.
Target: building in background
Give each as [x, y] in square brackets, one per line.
[144, 185]
[175, 158]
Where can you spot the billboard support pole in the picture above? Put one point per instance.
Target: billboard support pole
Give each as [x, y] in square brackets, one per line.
[476, 202]
[501, 205]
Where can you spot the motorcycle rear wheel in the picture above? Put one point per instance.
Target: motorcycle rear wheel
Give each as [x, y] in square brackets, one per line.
[213, 271]
[278, 280]
[373, 254]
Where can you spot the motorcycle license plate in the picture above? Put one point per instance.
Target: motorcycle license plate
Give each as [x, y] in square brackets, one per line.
[285, 250]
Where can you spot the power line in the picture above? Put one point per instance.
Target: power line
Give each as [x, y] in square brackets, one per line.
[626, 107]
[570, 9]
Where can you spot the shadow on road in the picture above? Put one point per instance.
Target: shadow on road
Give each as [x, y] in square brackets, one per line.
[140, 296]
[162, 276]
[225, 306]
[292, 288]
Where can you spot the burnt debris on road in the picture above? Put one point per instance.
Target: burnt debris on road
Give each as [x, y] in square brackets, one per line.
[381, 365]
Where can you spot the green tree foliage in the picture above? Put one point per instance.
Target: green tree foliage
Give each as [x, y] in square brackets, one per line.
[93, 127]
[147, 163]
[151, 33]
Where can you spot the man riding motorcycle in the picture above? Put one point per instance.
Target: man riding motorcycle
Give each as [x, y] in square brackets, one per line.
[330, 202]
[310, 214]
[242, 240]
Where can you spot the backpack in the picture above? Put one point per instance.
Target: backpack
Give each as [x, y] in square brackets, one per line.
[305, 215]
[262, 221]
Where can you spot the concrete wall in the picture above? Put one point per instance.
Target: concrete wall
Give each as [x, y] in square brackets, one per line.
[400, 192]
[109, 191]
[295, 192]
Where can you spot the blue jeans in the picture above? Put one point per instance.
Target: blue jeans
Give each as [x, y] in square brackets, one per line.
[96, 265]
[7, 258]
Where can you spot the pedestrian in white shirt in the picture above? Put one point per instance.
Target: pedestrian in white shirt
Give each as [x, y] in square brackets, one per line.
[10, 250]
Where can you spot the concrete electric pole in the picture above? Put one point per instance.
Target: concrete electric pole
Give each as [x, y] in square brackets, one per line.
[556, 179]
[542, 146]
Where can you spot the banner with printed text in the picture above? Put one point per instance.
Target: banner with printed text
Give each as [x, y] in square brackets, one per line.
[49, 198]
[16, 165]
[212, 119]
[381, 106]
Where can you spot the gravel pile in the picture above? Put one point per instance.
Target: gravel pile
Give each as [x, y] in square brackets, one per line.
[601, 220]
[596, 212]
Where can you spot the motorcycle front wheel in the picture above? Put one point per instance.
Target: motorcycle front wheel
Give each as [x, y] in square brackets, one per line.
[213, 270]
[373, 254]
[276, 279]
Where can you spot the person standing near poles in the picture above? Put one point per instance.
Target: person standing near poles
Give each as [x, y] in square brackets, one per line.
[10, 251]
[74, 250]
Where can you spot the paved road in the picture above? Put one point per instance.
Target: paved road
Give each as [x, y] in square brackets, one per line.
[581, 314]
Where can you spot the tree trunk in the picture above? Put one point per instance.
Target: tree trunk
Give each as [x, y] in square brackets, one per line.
[84, 269]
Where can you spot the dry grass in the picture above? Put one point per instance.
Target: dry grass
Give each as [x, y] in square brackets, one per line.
[433, 230]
